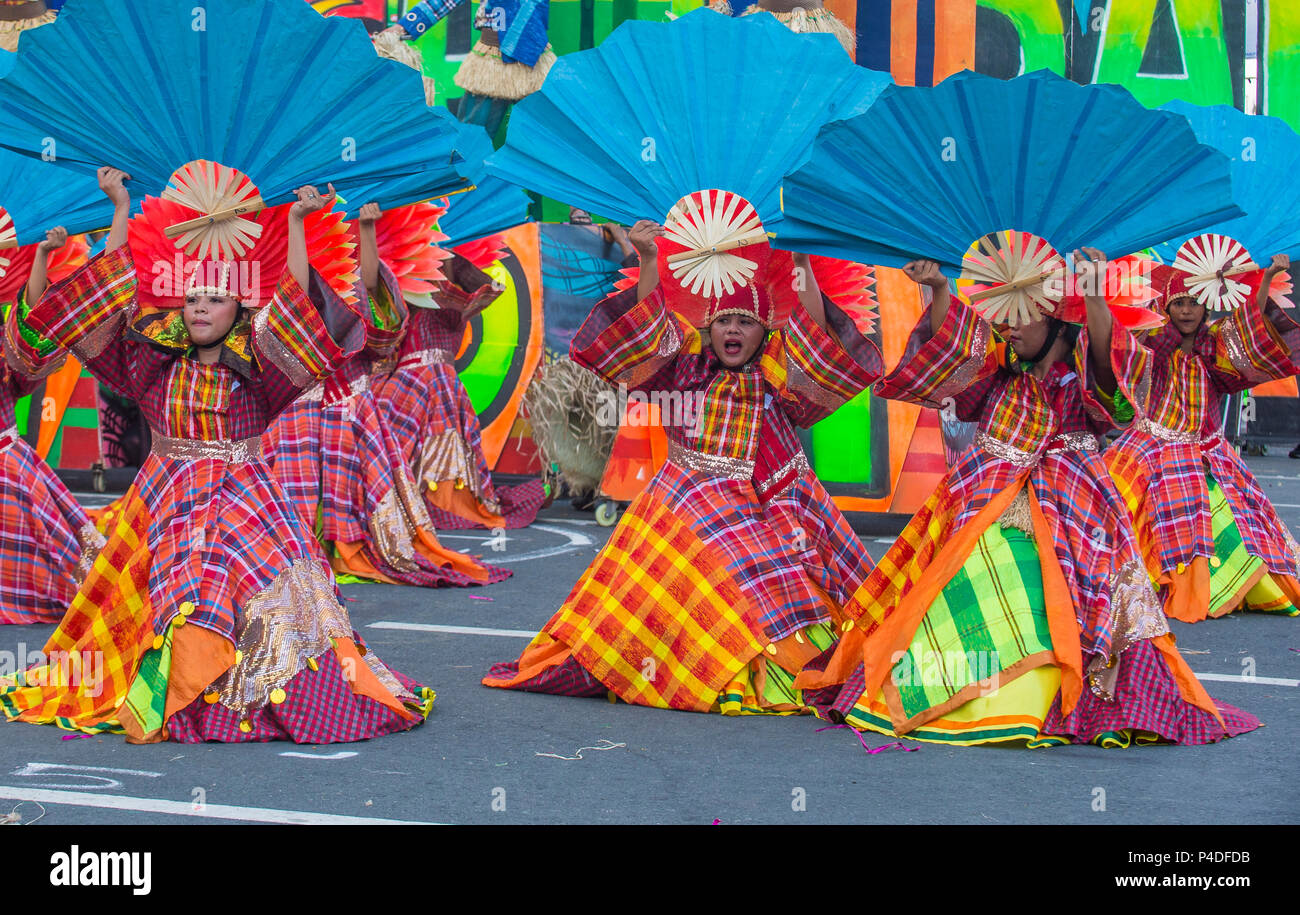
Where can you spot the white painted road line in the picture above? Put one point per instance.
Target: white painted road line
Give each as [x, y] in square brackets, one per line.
[1238, 678]
[495, 557]
[186, 809]
[454, 630]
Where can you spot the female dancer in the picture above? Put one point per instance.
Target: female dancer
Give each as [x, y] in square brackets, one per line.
[1014, 606]
[209, 615]
[705, 597]
[1208, 533]
[337, 461]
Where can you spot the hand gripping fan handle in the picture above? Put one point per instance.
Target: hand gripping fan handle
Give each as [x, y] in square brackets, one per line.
[246, 209]
[755, 238]
[1014, 286]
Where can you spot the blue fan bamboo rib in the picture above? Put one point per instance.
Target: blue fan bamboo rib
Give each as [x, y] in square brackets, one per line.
[662, 109]
[265, 86]
[39, 195]
[924, 172]
[1265, 154]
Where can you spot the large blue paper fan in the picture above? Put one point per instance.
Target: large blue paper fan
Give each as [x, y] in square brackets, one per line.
[494, 206]
[1265, 154]
[36, 196]
[926, 172]
[268, 87]
[660, 110]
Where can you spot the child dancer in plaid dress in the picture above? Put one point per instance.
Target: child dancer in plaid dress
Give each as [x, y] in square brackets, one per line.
[725, 576]
[335, 457]
[1015, 606]
[46, 541]
[209, 614]
[429, 410]
[1208, 533]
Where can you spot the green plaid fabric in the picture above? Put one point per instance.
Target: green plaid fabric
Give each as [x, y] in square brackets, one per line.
[1236, 565]
[147, 697]
[991, 616]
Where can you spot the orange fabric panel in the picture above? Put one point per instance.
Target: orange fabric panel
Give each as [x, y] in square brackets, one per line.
[58, 389]
[363, 679]
[902, 45]
[1282, 387]
[954, 37]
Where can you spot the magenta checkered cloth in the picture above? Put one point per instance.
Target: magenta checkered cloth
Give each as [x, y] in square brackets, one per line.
[567, 679]
[1146, 699]
[320, 708]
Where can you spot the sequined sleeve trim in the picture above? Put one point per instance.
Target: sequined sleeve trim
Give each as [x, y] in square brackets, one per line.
[278, 354]
[807, 387]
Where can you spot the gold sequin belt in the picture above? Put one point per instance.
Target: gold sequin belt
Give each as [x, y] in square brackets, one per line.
[425, 357]
[1165, 434]
[232, 451]
[330, 392]
[1069, 441]
[714, 465]
[8, 438]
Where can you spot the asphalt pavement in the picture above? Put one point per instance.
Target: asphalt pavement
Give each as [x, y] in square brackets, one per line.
[497, 756]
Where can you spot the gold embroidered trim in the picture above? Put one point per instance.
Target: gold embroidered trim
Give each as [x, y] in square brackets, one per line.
[390, 530]
[314, 394]
[1004, 452]
[1164, 433]
[334, 394]
[91, 542]
[96, 340]
[232, 451]
[1135, 607]
[1233, 342]
[280, 629]
[273, 348]
[713, 465]
[447, 457]
[802, 383]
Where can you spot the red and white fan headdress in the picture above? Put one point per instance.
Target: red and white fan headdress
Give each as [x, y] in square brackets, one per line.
[16, 262]
[177, 249]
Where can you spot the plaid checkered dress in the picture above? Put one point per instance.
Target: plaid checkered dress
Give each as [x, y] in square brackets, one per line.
[704, 578]
[335, 456]
[1161, 462]
[209, 601]
[1037, 436]
[430, 414]
[46, 541]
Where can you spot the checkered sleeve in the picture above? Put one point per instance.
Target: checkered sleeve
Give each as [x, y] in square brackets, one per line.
[301, 337]
[28, 356]
[1131, 363]
[426, 14]
[1253, 346]
[87, 314]
[629, 342]
[388, 315]
[954, 366]
[815, 372]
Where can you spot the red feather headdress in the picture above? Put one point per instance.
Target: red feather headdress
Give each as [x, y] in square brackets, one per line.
[407, 240]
